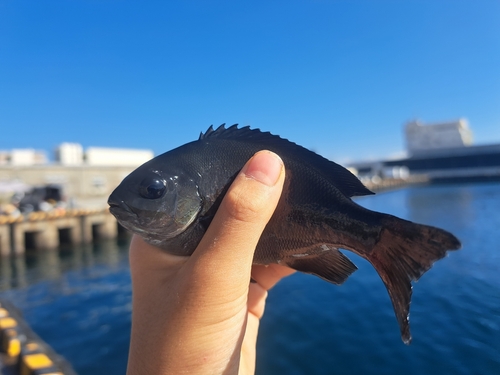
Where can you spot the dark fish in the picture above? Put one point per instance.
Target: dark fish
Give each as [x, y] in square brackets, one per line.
[171, 200]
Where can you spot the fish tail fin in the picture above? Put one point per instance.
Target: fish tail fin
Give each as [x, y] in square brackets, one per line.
[403, 253]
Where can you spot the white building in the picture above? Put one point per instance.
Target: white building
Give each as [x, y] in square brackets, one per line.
[69, 154]
[72, 154]
[24, 156]
[116, 156]
[422, 138]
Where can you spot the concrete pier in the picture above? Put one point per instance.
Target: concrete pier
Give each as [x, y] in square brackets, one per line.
[42, 230]
[4, 239]
[98, 226]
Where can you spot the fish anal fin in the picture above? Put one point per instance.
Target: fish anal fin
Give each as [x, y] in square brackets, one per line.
[327, 263]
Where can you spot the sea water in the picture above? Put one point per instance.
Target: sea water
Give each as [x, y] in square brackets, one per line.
[79, 300]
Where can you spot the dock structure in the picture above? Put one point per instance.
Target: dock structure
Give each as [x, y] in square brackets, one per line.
[40, 230]
[22, 351]
[384, 184]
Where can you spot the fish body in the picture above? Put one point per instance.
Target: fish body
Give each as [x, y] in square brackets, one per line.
[171, 200]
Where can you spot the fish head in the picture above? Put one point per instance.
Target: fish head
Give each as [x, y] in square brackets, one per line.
[156, 204]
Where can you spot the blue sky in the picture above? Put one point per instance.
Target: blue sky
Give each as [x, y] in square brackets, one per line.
[339, 77]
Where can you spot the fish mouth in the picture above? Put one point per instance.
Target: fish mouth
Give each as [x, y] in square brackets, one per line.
[125, 216]
[120, 208]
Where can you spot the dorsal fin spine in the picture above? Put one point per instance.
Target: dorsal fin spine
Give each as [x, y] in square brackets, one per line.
[340, 177]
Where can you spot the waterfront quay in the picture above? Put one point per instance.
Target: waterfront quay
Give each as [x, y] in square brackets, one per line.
[378, 184]
[41, 230]
[45, 205]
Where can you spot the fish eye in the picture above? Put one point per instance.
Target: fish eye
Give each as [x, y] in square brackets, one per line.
[152, 188]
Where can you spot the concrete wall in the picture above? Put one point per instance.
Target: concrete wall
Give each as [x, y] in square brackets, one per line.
[88, 186]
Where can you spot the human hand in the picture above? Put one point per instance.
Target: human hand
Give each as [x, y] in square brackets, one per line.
[200, 314]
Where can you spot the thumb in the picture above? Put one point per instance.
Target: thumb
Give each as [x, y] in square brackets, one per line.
[228, 246]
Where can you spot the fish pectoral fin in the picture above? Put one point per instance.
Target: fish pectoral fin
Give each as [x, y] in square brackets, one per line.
[331, 265]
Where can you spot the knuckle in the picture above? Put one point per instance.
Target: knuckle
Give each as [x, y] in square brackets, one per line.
[246, 206]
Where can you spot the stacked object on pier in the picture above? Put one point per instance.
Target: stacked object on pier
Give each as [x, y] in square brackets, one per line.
[22, 351]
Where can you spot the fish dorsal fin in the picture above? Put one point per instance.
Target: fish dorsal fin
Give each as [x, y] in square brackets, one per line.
[340, 177]
[244, 133]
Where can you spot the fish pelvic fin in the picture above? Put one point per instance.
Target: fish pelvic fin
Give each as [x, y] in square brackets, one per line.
[403, 253]
[329, 264]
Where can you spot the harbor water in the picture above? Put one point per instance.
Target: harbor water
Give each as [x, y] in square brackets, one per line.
[79, 301]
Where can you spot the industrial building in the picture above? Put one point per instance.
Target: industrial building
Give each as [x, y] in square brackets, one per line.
[440, 152]
[86, 178]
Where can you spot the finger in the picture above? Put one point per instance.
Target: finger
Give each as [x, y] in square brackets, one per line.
[228, 246]
[248, 353]
[268, 276]
[265, 278]
[256, 302]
